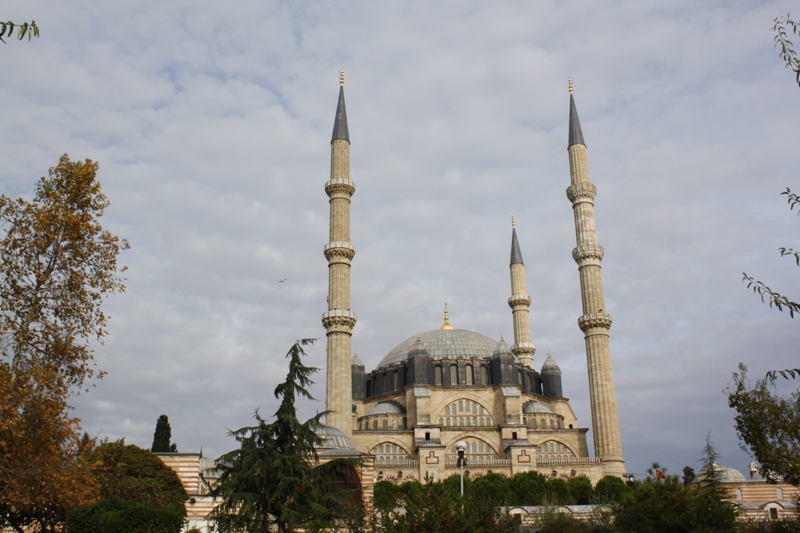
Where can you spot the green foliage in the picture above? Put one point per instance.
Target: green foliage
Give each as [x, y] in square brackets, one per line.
[556, 492]
[610, 489]
[492, 488]
[162, 436]
[553, 521]
[124, 516]
[768, 425]
[127, 472]
[787, 53]
[580, 489]
[528, 488]
[7, 30]
[272, 479]
[438, 506]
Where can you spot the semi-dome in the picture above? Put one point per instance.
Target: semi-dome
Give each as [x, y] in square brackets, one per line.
[386, 408]
[532, 408]
[334, 442]
[444, 344]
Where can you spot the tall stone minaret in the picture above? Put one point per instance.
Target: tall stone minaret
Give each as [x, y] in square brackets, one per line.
[339, 320]
[520, 302]
[595, 322]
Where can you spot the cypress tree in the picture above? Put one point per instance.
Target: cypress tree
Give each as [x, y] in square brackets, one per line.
[162, 435]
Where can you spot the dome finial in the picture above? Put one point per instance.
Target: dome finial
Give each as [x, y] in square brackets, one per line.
[446, 324]
[341, 77]
[569, 81]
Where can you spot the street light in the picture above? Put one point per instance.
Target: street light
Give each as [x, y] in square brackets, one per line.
[461, 446]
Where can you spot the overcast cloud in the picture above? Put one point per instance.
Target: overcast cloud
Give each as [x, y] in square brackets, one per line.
[212, 121]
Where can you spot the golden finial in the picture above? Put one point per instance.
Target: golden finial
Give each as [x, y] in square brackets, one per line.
[341, 77]
[570, 85]
[501, 338]
[446, 324]
[513, 223]
[418, 337]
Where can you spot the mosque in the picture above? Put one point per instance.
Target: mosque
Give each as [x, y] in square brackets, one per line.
[450, 385]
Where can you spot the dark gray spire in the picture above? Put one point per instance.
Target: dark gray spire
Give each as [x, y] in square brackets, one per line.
[516, 255]
[340, 124]
[575, 133]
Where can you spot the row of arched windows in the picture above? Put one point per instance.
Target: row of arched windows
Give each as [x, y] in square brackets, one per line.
[469, 378]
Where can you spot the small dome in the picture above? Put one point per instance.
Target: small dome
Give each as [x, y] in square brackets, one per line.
[550, 366]
[356, 361]
[726, 475]
[532, 408]
[502, 350]
[386, 408]
[334, 439]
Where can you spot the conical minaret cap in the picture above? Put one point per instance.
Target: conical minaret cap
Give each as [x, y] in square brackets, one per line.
[356, 360]
[340, 124]
[516, 254]
[550, 366]
[575, 133]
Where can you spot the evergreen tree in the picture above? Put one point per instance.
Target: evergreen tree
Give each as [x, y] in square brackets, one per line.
[273, 479]
[162, 436]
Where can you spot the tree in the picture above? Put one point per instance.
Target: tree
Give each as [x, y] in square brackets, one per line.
[781, 39]
[775, 299]
[273, 479]
[140, 494]
[7, 30]
[768, 425]
[610, 489]
[162, 436]
[57, 264]
[581, 490]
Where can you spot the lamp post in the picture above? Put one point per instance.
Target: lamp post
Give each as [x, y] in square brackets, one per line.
[461, 446]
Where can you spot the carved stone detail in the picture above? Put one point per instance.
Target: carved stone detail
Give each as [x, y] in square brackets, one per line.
[339, 249]
[339, 318]
[340, 186]
[588, 251]
[519, 299]
[594, 320]
[578, 192]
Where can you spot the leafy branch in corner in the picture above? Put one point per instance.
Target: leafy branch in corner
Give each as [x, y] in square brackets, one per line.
[789, 373]
[787, 53]
[7, 30]
[775, 299]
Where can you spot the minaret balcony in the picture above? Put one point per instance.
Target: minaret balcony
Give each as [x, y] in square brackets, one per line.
[340, 187]
[581, 192]
[588, 254]
[589, 321]
[339, 252]
[339, 318]
[519, 300]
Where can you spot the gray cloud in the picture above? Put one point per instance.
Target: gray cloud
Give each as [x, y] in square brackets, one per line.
[212, 125]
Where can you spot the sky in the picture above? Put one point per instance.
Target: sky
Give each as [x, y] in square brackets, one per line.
[211, 122]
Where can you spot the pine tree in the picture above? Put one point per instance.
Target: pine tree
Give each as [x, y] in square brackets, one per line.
[274, 479]
[162, 436]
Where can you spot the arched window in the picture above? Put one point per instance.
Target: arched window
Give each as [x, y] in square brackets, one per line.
[484, 375]
[470, 375]
[453, 375]
[519, 377]
[385, 424]
[395, 380]
[437, 375]
[369, 388]
[374, 425]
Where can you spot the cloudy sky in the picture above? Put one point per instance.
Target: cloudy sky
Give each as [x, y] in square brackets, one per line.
[212, 120]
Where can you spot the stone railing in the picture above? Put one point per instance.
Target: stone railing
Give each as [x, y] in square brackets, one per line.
[473, 460]
[385, 462]
[568, 461]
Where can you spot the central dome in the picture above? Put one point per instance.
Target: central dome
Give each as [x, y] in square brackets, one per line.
[444, 344]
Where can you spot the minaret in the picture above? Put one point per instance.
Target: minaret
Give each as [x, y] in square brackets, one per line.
[519, 302]
[595, 322]
[339, 320]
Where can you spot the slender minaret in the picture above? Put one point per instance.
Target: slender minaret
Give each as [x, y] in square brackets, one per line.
[519, 302]
[339, 320]
[595, 322]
